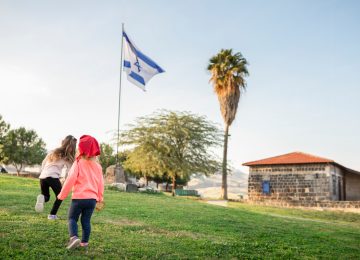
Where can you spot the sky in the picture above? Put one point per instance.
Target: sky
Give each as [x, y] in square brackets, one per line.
[60, 70]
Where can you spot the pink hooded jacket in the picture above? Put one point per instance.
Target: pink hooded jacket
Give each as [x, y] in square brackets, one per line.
[86, 181]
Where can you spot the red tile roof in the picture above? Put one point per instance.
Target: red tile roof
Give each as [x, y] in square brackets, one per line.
[290, 158]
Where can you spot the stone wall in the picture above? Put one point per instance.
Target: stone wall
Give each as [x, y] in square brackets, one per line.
[290, 186]
[352, 186]
[348, 206]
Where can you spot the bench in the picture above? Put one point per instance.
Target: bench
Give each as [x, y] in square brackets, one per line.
[179, 192]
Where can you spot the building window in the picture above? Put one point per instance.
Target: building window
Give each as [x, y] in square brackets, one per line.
[266, 187]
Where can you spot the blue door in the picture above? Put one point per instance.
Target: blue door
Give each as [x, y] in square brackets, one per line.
[266, 187]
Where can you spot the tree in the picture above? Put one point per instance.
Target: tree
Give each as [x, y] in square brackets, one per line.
[23, 147]
[107, 156]
[4, 128]
[141, 164]
[227, 75]
[175, 143]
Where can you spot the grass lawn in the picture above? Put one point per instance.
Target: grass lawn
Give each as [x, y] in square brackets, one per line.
[156, 226]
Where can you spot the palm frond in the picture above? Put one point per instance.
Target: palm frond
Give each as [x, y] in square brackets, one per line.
[228, 71]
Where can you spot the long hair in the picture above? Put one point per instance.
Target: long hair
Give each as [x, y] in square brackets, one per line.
[66, 151]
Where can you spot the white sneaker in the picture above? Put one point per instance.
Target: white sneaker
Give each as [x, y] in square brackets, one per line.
[53, 217]
[74, 242]
[39, 207]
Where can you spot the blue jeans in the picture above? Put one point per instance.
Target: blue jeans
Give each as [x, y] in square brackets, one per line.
[85, 208]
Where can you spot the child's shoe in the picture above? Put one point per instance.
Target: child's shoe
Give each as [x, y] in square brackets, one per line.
[73, 242]
[84, 246]
[39, 206]
[53, 217]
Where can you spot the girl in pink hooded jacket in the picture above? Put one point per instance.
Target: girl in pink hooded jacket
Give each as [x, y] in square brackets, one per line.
[86, 181]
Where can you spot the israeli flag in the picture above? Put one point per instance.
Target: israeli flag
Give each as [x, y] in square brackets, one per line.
[138, 67]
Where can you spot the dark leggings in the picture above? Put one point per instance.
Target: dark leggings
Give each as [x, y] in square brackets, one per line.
[55, 185]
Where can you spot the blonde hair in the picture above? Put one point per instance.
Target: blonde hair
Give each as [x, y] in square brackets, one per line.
[66, 151]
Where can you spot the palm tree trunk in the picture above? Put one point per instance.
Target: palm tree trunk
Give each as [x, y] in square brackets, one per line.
[224, 194]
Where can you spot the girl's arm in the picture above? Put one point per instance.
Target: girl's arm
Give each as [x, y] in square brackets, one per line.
[101, 188]
[70, 181]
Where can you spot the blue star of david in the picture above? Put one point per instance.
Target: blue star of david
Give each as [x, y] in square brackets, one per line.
[137, 64]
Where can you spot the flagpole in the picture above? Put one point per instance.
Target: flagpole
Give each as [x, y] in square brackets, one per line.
[121, 68]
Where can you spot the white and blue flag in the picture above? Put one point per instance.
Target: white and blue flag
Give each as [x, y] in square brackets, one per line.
[139, 67]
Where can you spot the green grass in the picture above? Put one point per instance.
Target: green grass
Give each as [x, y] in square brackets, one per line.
[156, 226]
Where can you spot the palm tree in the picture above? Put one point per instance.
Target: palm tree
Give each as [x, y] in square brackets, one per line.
[227, 75]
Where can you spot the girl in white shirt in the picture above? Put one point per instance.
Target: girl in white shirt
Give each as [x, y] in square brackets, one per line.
[51, 170]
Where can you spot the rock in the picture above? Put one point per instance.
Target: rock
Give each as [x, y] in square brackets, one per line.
[115, 175]
[131, 187]
[119, 186]
[148, 189]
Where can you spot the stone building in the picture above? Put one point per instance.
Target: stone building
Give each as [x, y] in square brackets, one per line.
[301, 177]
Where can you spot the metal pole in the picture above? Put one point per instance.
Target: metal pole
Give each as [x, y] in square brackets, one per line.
[121, 68]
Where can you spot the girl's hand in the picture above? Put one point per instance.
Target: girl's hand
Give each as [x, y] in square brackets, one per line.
[100, 206]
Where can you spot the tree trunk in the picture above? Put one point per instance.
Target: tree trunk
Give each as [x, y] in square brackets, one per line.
[173, 185]
[18, 169]
[146, 180]
[224, 194]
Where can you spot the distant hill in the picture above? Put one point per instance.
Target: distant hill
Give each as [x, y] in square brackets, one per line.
[210, 187]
